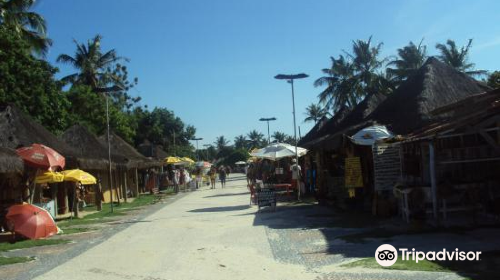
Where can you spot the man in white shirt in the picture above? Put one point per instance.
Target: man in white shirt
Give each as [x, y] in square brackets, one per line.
[296, 173]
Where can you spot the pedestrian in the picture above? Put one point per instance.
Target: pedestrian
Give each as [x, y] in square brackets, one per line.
[222, 175]
[213, 176]
[295, 169]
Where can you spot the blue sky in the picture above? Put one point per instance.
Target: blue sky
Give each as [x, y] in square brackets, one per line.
[213, 62]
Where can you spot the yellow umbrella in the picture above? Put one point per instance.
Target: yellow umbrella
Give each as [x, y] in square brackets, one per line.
[77, 175]
[186, 159]
[49, 177]
[172, 160]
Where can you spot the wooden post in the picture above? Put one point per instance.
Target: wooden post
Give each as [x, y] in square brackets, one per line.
[125, 184]
[75, 200]
[98, 192]
[432, 167]
[136, 183]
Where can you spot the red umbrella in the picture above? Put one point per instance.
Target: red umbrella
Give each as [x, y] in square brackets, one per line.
[41, 156]
[31, 221]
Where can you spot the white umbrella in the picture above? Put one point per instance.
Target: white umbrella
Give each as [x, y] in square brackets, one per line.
[240, 163]
[279, 150]
[203, 164]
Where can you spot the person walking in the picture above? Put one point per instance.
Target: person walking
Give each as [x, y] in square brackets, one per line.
[213, 176]
[222, 175]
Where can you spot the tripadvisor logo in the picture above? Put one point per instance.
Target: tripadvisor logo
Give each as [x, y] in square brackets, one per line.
[387, 255]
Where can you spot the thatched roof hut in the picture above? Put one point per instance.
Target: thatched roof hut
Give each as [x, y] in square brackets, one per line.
[151, 150]
[87, 146]
[434, 85]
[120, 146]
[10, 162]
[19, 130]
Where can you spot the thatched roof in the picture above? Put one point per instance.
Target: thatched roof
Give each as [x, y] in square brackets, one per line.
[10, 162]
[88, 148]
[153, 151]
[19, 130]
[320, 129]
[120, 146]
[434, 85]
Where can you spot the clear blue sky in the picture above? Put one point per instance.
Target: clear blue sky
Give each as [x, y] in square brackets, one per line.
[213, 62]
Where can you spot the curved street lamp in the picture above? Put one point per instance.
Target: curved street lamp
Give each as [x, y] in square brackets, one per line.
[268, 120]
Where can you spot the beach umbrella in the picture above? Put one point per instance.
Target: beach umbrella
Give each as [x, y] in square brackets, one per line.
[77, 175]
[172, 160]
[278, 151]
[41, 156]
[240, 163]
[31, 221]
[203, 164]
[186, 159]
[49, 177]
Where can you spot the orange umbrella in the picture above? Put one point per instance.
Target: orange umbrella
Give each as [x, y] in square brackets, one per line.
[31, 221]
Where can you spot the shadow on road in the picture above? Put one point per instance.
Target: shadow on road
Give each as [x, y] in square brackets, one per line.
[220, 209]
[227, 194]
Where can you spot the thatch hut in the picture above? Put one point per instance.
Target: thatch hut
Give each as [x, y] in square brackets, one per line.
[11, 169]
[138, 163]
[87, 145]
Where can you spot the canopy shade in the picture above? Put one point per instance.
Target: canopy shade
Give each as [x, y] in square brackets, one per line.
[41, 156]
[77, 175]
[49, 177]
[277, 151]
[172, 160]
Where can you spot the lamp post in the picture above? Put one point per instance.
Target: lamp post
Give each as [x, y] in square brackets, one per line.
[290, 79]
[197, 139]
[268, 120]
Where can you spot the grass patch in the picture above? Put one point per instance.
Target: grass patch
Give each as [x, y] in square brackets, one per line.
[105, 213]
[73, 230]
[399, 265]
[13, 260]
[31, 243]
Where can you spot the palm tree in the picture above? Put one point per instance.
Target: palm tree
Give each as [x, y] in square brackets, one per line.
[221, 142]
[256, 139]
[411, 58]
[240, 142]
[279, 137]
[458, 59]
[315, 112]
[290, 140]
[31, 27]
[94, 67]
[340, 84]
[366, 62]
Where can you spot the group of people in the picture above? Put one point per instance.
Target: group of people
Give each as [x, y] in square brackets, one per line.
[223, 172]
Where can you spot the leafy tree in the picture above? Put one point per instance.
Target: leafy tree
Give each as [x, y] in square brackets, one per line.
[221, 142]
[458, 58]
[290, 140]
[494, 80]
[410, 59]
[15, 15]
[240, 142]
[279, 137]
[315, 112]
[255, 139]
[30, 84]
[234, 156]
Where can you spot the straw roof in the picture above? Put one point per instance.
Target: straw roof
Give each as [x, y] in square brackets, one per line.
[19, 130]
[151, 150]
[10, 162]
[320, 129]
[434, 85]
[87, 146]
[120, 146]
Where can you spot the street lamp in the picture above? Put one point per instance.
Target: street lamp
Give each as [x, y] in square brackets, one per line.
[268, 120]
[290, 79]
[197, 139]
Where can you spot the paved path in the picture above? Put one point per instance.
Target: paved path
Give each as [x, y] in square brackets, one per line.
[209, 234]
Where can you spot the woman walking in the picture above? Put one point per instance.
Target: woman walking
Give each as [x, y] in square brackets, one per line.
[213, 175]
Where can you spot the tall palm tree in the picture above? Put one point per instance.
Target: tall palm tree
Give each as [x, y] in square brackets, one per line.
[240, 142]
[93, 66]
[221, 142]
[31, 27]
[315, 112]
[458, 58]
[366, 62]
[410, 59]
[255, 139]
[279, 137]
[340, 85]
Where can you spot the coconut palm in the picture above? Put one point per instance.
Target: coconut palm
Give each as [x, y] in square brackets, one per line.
[31, 27]
[94, 66]
[255, 139]
[315, 112]
[240, 142]
[340, 85]
[366, 62]
[221, 142]
[410, 59]
[279, 137]
[458, 58]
